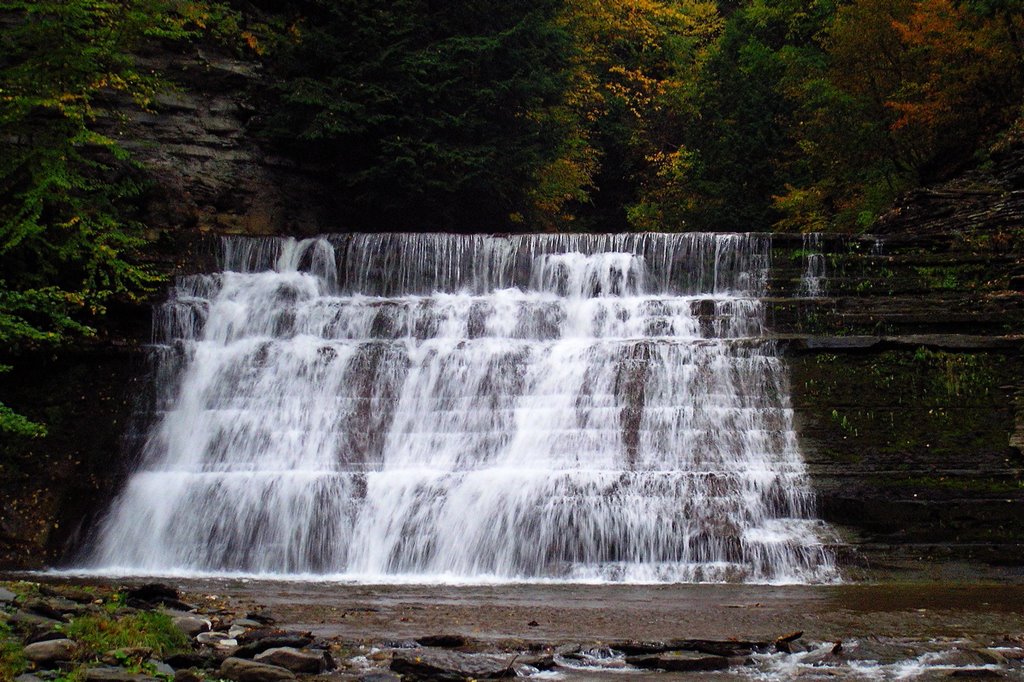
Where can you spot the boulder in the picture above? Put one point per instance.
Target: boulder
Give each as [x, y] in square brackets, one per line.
[220, 640]
[680, 661]
[54, 607]
[450, 666]
[45, 653]
[27, 678]
[187, 676]
[244, 670]
[155, 594]
[299, 661]
[75, 594]
[442, 641]
[110, 674]
[294, 640]
[380, 677]
[191, 660]
[192, 625]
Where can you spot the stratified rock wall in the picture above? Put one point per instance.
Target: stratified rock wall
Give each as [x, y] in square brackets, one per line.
[906, 378]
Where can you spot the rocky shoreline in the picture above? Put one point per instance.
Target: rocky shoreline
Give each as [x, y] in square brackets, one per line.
[153, 632]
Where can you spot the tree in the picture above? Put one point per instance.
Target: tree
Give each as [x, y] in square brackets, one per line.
[67, 190]
[425, 112]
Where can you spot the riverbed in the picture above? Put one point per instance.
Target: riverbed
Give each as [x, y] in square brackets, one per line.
[883, 631]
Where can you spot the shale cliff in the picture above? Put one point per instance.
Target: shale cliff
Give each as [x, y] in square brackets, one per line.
[904, 347]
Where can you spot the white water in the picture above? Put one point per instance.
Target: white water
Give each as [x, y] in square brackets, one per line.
[814, 276]
[439, 407]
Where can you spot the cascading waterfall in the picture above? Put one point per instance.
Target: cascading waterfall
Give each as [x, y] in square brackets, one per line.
[814, 277]
[442, 407]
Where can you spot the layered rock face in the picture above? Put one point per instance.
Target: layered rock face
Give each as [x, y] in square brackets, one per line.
[906, 379]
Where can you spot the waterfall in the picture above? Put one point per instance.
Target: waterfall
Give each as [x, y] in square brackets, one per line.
[448, 408]
[813, 278]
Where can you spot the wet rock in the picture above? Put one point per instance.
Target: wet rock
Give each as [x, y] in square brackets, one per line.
[220, 640]
[295, 660]
[45, 653]
[976, 674]
[44, 636]
[32, 623]
[448, 665]
[187, 676]
[54, 607]
[294, 640]
[75, 594]
[191, 660]
[263, 617]
[115, 675]
[784, 644]
[244, 670]
[247, 623]
[680, 661]
[155, 594]
[442, 641]
[380, 677]
[27, 678]
[725, 648]
[192, 625]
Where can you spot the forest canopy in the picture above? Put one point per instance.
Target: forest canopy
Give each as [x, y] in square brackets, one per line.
[540, 115]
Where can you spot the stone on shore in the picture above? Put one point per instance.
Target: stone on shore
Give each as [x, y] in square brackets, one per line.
[296, 640]
[244, 670]
[297, 661]
[680, 661]
[109, 674]
[442, 641]
[192, 625]
[51, 651]
[451, 666]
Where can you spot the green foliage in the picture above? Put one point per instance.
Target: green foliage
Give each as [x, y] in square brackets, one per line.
[149, 629]
[68, 190]
[429, 117]
[12, 660]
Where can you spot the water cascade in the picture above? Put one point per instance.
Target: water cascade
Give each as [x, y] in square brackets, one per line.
[814, 278]
[441, 407]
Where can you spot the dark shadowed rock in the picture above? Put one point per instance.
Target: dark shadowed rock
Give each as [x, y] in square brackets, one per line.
[448, 665]
[46, 653]
[295, 640]
[380, 677]
[706, 646]
[44, 636]
[442, 641]
[244, 670]
[187, 676]
[54, 607]
[107, 674]
[295, 660]
[191, 660]
[156, 594]
[192, 625]
[75, 594]
[680, 661]
[263, 617]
